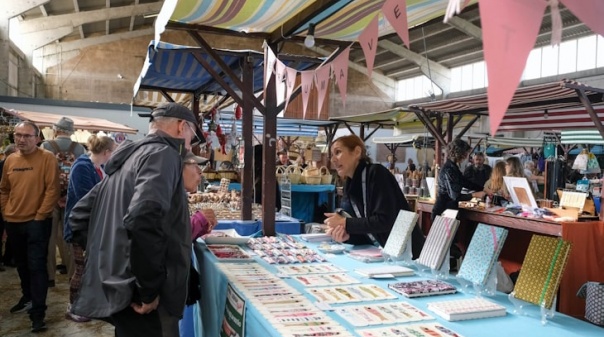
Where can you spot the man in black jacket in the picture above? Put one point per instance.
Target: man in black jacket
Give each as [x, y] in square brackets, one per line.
[479, 172]
[136, 230]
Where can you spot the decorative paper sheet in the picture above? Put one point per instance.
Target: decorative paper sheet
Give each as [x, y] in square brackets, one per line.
[422, 288]
[349, 294]
[384, 313]
[322, 268]
[415, 330]
[321, 280]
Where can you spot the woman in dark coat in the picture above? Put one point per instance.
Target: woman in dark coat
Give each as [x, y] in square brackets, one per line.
[373, 193]
[451, 181]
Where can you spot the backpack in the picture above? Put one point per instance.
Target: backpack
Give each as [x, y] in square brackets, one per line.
[66, 160]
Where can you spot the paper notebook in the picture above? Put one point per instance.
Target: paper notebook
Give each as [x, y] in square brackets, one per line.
[422, 288]
[400, 233]
[482, 253]
[376, 272]
[438, 242]
[470, 308]
[542, 270]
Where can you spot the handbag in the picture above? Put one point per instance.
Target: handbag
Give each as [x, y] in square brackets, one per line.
[593, 293]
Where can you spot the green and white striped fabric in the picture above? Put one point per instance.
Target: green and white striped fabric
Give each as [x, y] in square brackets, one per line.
[581, 137]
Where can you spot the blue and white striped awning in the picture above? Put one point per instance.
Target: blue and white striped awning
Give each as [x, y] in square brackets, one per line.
[174, 68]
[285, 126]
[581, 137]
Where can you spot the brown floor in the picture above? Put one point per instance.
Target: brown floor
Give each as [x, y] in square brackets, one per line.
[17, 325]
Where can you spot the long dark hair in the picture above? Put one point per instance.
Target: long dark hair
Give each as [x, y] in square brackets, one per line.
[458, 150]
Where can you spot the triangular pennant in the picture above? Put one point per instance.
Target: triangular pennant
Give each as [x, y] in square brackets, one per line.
[368, 41]
[290, 82]
[269, 64]
[510, 29]
[340, 70]
[322, 80]
[590, 12]
[306, 79]
[395, 12]
[280, 70]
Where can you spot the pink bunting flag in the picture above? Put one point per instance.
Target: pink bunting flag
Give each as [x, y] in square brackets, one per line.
[306, 78]
[510, 30]
[290, 82]
[369, 41]
[590, 12]
[269, 64]
[395, 12]
[280, 70]
[322, 80]
[340, 70]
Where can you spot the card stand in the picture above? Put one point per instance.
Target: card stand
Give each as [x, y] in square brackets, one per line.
[405, 259]
[487, 289]
[545, 313]
[440, 274]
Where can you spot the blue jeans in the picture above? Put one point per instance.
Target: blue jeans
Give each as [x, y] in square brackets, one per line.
[29, 241]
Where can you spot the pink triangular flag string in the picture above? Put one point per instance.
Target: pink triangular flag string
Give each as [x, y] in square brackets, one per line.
[368, 41]
[322, 80]
[340, 70]
[280, 70]
[590, 12]
[395, 12]
[510, 29]
[306, 79]
[290, 82]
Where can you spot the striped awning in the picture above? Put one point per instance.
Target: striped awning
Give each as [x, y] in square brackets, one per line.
[581, 137]
[174, 69]
[547, 106]
[285, 126]
[514, 142]
[343, 20]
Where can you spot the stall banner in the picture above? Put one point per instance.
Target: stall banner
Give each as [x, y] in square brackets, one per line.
[396, 13]
[340, 70]
[233, 323]
[307, 78]
[322, 80]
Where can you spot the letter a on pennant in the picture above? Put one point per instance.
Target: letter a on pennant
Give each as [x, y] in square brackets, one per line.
[322, 78]
[306, 78]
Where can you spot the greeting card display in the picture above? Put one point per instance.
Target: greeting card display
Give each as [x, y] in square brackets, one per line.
[438, 242]
[482, 254]
[321, 268]
[351, 293]
[542, 270]
[387, 271]
[321, 280]
[229, 252]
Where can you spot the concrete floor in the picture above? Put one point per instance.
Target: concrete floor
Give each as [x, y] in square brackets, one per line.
[18, 325]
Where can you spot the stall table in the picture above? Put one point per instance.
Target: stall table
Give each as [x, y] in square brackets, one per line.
[214, 285]
[283, 224]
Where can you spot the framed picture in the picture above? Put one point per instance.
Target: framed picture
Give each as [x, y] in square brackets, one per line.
[520, 191]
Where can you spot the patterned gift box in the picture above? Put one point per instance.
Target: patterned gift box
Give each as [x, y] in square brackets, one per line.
[438, 242]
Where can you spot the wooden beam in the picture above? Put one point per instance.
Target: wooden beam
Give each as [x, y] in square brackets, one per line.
[225, 68]
[300, 19]
[590, 110]
[80, 18]
[10, 9]
[63, 47]
[206, 65]
[466, 27]
[247, 124]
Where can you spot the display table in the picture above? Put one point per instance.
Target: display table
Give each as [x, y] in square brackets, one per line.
[585, 262]
[283, 224]
[305, 198]
[214, 285]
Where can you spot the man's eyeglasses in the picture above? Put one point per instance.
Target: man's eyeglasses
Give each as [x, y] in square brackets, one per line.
[197, 140]
[24, 136]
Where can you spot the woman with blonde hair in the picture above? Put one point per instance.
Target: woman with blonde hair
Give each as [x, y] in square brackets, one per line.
[495, 185]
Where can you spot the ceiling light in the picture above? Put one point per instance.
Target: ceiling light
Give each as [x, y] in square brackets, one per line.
[309, 41]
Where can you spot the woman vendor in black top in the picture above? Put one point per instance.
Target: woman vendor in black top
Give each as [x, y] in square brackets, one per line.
[451, 181]
[376, 204]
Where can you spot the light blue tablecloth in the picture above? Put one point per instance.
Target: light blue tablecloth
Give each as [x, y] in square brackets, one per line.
[214, 285]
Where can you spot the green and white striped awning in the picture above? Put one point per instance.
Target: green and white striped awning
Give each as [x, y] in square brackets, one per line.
[581, 137]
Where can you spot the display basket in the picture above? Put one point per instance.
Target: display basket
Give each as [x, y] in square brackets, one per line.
[325, 176]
